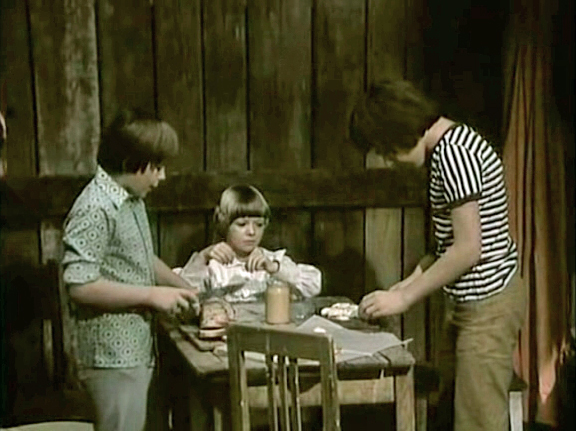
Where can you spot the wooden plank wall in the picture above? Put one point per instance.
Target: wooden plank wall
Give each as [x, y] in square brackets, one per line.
[340, 58]
[248, 84]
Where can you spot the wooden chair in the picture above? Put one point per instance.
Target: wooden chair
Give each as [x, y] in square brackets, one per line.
[61, 399]
[282, 348]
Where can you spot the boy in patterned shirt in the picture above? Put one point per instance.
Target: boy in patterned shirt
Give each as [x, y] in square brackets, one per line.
[115, 280]
[475, 260]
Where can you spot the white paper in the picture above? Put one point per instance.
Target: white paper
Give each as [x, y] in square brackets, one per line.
[349, 343]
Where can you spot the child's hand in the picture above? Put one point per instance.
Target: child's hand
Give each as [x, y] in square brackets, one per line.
[171, 300]
[382, 303]
[258, 262]
[220, 252]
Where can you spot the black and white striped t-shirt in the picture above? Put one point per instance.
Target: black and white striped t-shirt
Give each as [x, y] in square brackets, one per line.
[464, 167]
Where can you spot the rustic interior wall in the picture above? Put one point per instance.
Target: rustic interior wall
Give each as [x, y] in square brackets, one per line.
[248, 85]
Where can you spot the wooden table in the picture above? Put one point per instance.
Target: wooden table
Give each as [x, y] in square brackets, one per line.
[196, 386]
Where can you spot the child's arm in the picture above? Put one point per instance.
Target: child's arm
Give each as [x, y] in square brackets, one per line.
[82, 272]
[422, 266]
[195, 272]
[462, 255]
[111, 295]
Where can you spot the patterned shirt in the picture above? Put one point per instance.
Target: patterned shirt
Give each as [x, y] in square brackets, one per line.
[107, 234]
[464, 167]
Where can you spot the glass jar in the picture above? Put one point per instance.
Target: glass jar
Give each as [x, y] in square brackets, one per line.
[277, 302]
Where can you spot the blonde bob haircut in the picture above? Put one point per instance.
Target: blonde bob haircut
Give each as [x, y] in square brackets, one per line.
[241, 200]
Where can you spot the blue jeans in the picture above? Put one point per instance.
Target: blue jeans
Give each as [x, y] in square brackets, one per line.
[476, 360]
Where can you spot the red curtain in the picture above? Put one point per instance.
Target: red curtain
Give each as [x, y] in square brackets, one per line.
[534, 162]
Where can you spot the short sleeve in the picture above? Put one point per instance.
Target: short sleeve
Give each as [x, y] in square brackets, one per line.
[461, 172]
[85, 242]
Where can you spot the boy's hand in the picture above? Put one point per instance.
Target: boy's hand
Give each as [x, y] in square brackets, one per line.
[257, 261]
[382, 303]
[220, 252]
[172, 300]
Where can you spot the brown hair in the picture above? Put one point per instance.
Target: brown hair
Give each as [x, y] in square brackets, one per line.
[391, 117]
[241, 200]
[133, 140]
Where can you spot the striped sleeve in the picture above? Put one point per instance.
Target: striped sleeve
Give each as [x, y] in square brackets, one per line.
[462, 174]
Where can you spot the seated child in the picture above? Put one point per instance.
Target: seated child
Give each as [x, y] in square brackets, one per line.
[235, 267]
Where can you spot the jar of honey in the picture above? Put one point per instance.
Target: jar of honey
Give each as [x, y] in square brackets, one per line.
[277, 302]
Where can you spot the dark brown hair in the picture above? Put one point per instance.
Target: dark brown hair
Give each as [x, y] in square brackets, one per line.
[391, 117]
[133, 140]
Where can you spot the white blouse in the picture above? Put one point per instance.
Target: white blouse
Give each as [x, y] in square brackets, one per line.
[241, 285]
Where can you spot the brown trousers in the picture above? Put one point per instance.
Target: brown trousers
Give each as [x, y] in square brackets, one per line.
[476, 360]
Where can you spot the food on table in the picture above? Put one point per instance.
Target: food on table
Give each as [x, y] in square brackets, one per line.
[340, 311]
[215, 316]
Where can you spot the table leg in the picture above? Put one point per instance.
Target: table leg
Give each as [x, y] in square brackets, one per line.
[421, 413]
[218, 419]
[404, 401]
[220, 403]
[190, 411]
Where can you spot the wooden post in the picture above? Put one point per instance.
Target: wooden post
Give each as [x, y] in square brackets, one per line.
[339, 39]
[66, 78]
[280, 65]
[179, 80]
[126, 56]
[225, 84]
[386, 59]
[16, 91]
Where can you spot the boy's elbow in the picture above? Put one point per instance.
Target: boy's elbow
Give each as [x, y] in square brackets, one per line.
[75, 293]
[468, 252]
[474, 252]
[79, 293]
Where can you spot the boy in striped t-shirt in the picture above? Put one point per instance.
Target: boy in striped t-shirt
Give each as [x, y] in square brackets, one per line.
[475, 260]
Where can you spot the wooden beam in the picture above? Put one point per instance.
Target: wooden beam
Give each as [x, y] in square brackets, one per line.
[306, 188]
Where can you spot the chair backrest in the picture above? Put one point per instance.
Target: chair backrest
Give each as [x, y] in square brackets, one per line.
[58, 339]
[282, 348]
[59, 397]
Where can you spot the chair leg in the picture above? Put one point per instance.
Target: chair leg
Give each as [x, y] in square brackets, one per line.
[516, 411]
